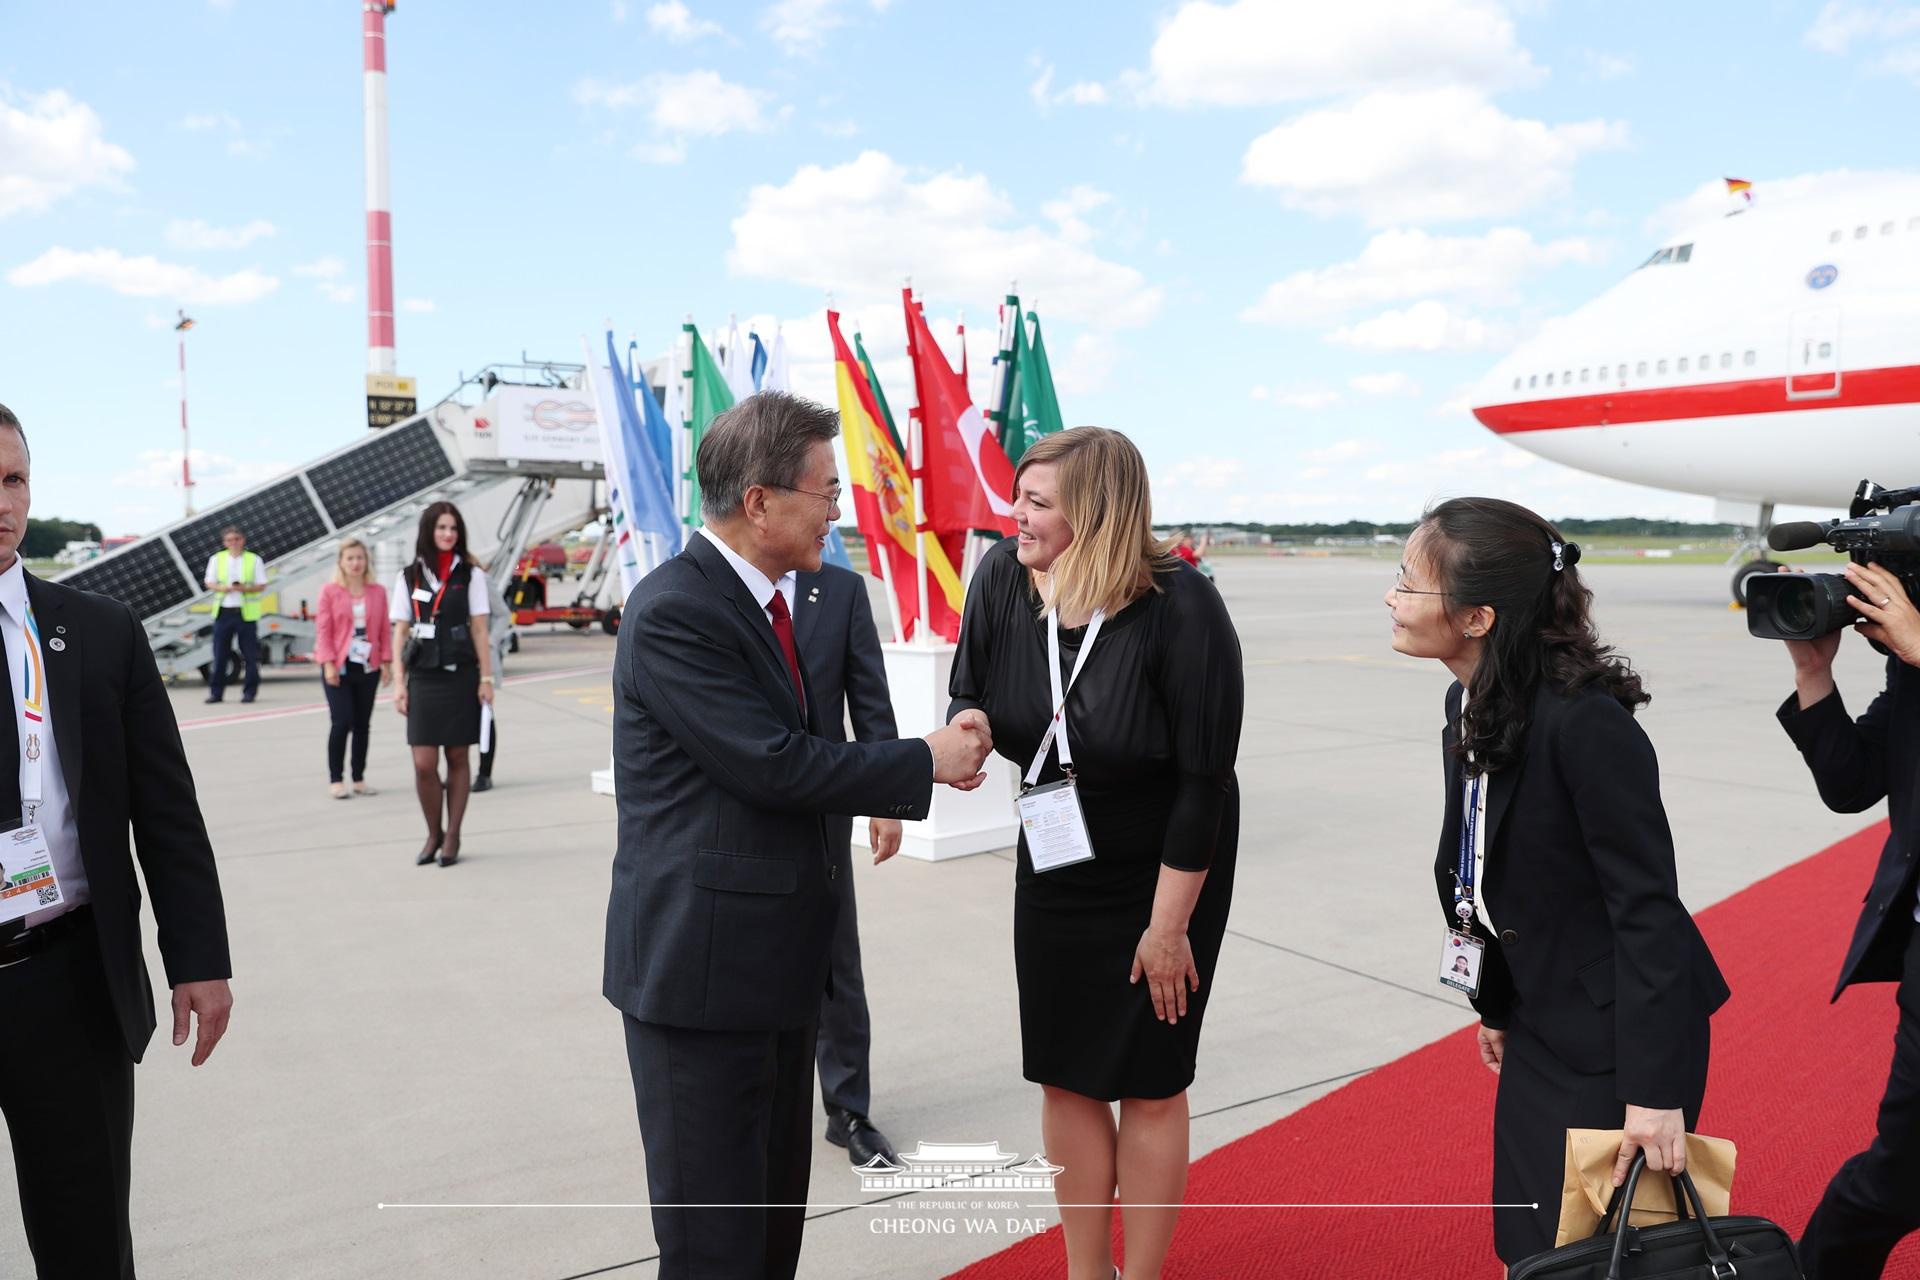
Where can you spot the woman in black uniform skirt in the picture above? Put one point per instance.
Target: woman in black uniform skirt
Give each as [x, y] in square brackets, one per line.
[1114, 956]
[1556, 868]
[439, 608]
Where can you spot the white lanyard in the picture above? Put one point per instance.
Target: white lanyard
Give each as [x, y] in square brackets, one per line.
[1057, 728]
[31, 689]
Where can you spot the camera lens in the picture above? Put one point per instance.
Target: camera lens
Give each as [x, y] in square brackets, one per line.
[1793, 610]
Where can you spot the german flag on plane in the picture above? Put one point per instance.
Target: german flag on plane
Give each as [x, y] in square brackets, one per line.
[883, 501]
[1740, 187]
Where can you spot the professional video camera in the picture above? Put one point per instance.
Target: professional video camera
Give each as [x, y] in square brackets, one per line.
[1802, 606]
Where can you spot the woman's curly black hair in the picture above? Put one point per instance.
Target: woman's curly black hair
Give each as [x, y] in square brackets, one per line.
[1485, 551]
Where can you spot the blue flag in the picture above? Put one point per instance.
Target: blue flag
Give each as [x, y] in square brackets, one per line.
[659, 431]
[649, 496]
[759, 361]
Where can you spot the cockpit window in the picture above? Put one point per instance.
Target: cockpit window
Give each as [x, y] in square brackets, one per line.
[1673, 253]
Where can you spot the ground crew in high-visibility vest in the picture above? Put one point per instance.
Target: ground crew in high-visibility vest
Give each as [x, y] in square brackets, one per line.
[240, 577]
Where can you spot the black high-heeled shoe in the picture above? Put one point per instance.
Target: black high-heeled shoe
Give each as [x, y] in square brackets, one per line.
[451, 854]
[433, 847]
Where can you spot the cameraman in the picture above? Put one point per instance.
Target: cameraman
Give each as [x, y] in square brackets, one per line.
[1874, 1199]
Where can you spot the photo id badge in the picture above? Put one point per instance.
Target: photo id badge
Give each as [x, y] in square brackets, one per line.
[359, 651]
[1055, 828]
[423, 595]
[423, 630]
[27, 882]
[1460, 962]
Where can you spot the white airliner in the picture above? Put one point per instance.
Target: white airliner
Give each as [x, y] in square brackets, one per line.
[1768, 356]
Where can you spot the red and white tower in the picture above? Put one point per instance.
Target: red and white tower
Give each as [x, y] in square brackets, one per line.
[373, 42]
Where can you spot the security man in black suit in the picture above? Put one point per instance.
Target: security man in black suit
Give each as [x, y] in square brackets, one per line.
[1874, 1200]
[75, 1001]
[721, 917]
[833, 623]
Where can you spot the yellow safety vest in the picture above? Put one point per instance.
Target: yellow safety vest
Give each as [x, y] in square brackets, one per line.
[252, 607]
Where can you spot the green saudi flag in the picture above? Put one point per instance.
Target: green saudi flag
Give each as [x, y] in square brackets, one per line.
[708, 395]
[1033, 410]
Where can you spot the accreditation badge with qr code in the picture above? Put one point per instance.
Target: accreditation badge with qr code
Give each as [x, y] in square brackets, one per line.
[27, 881]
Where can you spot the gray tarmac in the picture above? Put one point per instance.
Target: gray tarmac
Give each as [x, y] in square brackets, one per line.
[422, 1079]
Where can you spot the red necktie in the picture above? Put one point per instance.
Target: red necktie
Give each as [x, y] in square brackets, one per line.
[783, 632]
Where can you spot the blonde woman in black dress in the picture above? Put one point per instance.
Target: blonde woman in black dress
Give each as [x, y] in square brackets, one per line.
[1114, 955]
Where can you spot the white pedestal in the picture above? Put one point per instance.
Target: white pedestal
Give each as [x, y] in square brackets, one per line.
[960, 822]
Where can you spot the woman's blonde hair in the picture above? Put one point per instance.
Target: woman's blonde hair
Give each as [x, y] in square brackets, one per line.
[340, 574]
[1100, 488]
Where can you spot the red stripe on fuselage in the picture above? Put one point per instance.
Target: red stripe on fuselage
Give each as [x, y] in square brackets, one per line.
[1858, 387]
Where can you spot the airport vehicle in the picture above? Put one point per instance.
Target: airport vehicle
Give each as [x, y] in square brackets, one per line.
[1768, 356]
[522, 461]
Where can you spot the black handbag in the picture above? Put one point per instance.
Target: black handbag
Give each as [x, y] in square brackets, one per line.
[1691, 1248]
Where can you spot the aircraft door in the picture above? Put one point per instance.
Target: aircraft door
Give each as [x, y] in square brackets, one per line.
[1813, 354]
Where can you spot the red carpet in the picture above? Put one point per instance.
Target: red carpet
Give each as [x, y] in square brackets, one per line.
[1795, 1083]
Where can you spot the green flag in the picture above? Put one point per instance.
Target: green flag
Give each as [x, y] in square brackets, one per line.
[708, 395]
[1034, 410]
[879, 396]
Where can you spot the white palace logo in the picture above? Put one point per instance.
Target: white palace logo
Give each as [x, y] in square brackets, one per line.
[957, 1166]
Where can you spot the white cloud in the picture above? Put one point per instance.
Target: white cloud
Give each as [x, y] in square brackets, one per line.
[1399, 264]
[1065, 212]
[1420, 156]
[143, 277]
[1607, 66]
[418, 306]
[1345, 451]
[1309, 396]
[51, 146]
[1204, 471]
[1081, 93]
[681, 106]
[1384, 384]
[1085, 366]
[1424, 326]
[194, 234]
[203, 123]
[160, 469]
[1841, 22]
[334, 291]
[800, 27]
[321, 269]
[861, 227]
[1265, 51]
[676, 22]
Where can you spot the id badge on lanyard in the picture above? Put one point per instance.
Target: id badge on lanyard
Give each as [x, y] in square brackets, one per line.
[1050, 815]
[1461, 954]
[27, 879]
[430, 628]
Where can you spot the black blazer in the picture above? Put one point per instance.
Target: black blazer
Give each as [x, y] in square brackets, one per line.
[1855, 764]
[846, 671]
[721, 913]
[126, 772]
[1594, 943]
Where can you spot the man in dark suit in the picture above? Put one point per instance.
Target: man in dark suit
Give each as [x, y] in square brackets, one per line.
[75, 1001]
[833, 624]
[1874, 1200]
[720, 921]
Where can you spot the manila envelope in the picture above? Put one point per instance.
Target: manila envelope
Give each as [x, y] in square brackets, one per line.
[1588, 1184]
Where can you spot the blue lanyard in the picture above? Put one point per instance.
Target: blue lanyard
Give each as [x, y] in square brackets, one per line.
[1463, 872]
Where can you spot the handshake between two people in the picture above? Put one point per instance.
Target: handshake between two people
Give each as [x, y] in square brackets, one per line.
[960, 750]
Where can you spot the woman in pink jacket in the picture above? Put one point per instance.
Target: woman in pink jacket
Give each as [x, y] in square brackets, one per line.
[355, 652]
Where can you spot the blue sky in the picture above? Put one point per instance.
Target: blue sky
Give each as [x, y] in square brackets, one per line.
[1274, 242]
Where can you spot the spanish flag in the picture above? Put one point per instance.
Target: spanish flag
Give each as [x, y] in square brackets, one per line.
[883, 500]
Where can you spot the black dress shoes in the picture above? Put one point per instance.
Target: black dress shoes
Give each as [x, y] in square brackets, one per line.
[482, 783]
[856, 1133]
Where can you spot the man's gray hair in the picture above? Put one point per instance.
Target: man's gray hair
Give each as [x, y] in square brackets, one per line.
[764, 440]
[10, 423]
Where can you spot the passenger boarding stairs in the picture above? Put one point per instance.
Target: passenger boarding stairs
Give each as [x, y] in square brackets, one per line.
[522, 464]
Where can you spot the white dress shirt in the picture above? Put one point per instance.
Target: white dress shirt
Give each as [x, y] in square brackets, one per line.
[55, 815]
[1479, 833]
[757, 582]
[400, 600]
[235, 599]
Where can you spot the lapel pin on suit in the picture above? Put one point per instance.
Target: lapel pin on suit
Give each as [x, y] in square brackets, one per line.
[813, 595]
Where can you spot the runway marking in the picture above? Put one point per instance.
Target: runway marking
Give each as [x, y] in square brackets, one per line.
[281, 713]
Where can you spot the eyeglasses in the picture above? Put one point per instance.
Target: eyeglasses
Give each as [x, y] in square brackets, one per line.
[831, 497]
[1400, 586]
